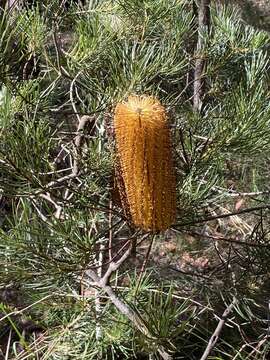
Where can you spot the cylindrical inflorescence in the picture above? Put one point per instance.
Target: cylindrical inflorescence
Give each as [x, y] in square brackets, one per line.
[145, 174]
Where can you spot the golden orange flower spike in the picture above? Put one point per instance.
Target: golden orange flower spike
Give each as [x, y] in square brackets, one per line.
[144, 158]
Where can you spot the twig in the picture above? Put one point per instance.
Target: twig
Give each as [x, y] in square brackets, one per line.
[110, 230]
[229, 240]
[222, 216]
[40, 213]
[102, 283]
[58, 208]
[78, 142]
[114, 265]
[61, 70]
[16, 312]
[234, 193]
[203, 28]
[188, 273]
[74, 174]
[260, 344]
[57, 182]
[98, 306]
[144, 265]
[214, 338]
[71, 96]
[93, 267]
[126, 310]
[8, 345]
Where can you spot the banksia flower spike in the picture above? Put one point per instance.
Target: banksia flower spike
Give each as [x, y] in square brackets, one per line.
[145, 172]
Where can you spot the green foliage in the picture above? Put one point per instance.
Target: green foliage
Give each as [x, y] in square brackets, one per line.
[56, 219]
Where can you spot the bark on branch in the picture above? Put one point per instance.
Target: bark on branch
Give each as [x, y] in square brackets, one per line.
[127, 311]
[102, 283]
[214, 338]
[203, 11]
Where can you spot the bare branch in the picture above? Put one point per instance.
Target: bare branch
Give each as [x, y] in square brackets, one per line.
[126, 310]
[222, 216]
[102, 283]
[214, 338]
[203, 28]
[229, 240]
[115, 265]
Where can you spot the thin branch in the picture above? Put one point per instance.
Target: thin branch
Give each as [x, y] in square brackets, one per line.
[110, 217]
[144, 264]
[200, 63]
[58, 208]
[189, 273]
[98, 307]
[127, 311]
[222, 216]
[17, 312]
[8, 345]
[229, 240]
[42, 216]
[114, 265]
[78, 142]
[214, 338]
[102, 283]
[75, 168]
[72, 84]
[234, 193]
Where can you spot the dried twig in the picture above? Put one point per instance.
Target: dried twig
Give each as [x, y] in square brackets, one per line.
[214, 338]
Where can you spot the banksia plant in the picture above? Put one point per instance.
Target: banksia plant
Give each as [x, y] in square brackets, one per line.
[145, 172]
